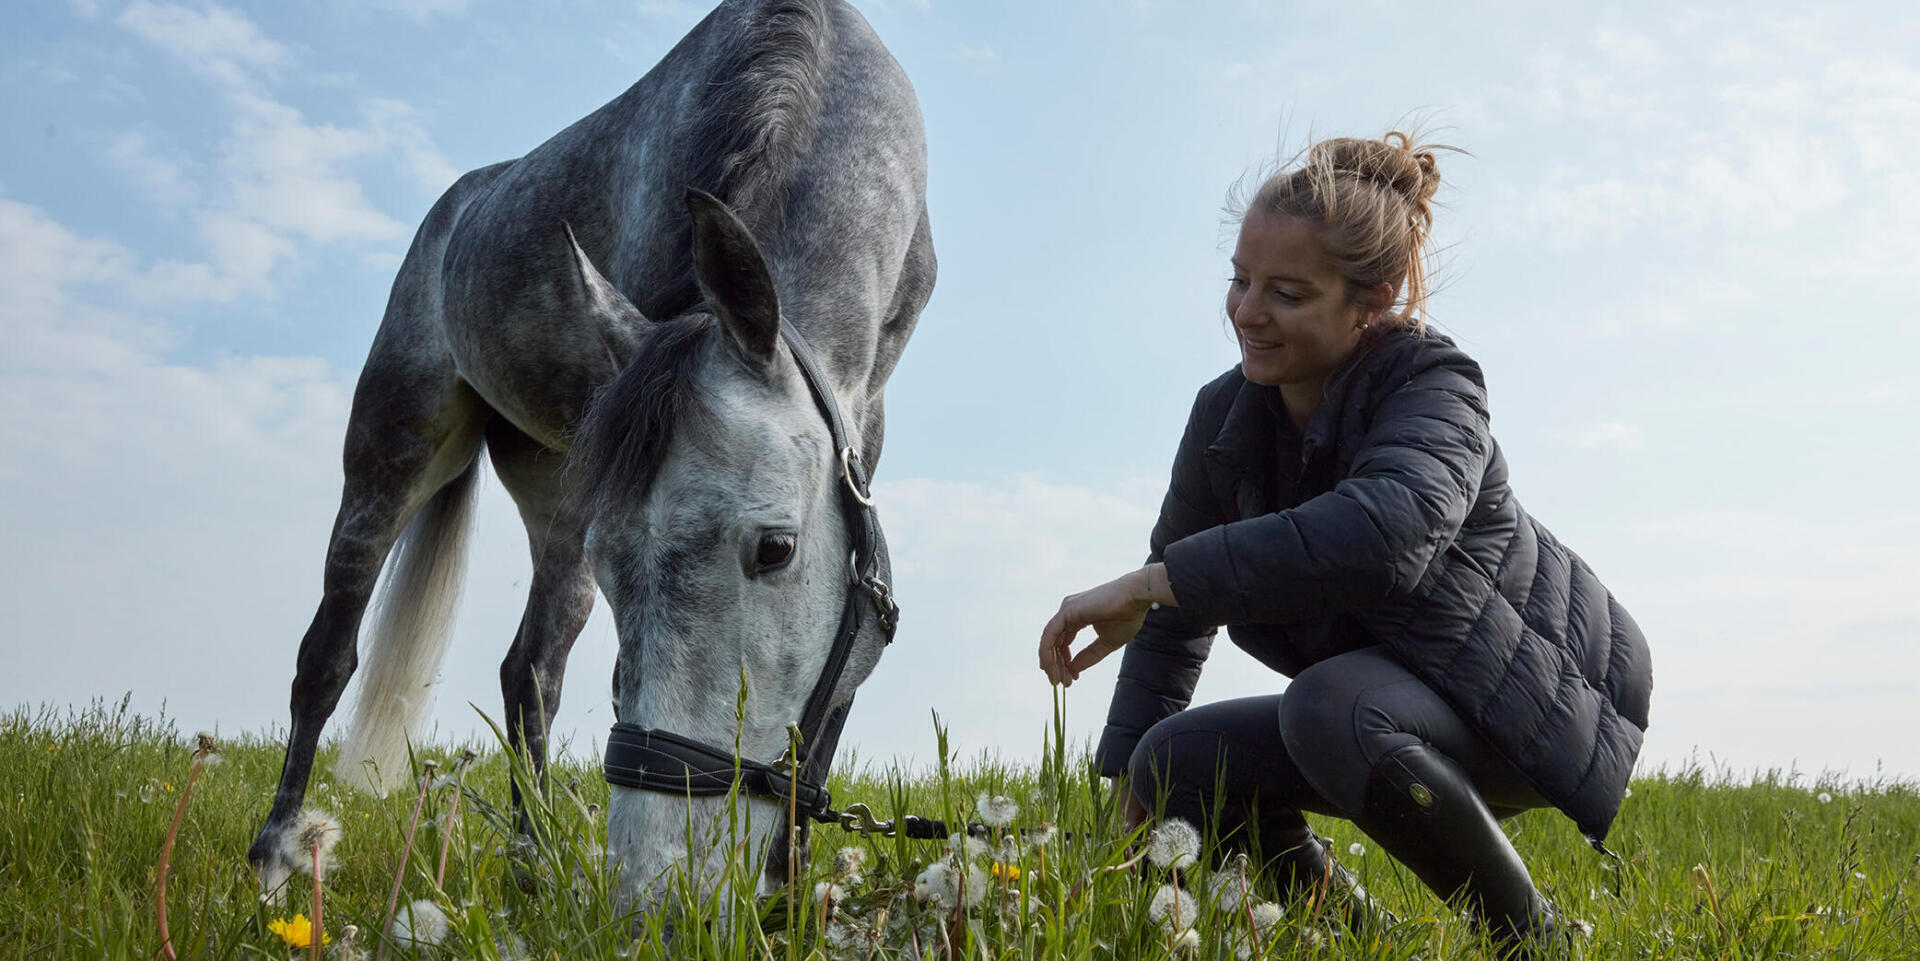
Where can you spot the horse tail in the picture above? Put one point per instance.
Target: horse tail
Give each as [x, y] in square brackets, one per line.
[411, 626]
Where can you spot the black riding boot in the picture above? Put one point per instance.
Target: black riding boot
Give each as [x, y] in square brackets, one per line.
[1301, 862]
[1422, 809]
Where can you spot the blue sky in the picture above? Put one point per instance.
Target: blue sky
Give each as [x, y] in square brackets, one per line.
[1682, 246]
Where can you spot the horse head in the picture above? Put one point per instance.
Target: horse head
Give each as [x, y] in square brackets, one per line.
[720, 537]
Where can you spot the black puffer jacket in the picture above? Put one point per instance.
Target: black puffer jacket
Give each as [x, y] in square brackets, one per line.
[1389, 521]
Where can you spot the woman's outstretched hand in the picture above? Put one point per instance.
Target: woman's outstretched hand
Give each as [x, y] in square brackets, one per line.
[1115, 611]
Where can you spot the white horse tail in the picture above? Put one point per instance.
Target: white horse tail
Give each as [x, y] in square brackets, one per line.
[412, 623]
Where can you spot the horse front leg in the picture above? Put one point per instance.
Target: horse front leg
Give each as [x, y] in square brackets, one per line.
[410, 453]
[369, 522]
[558, 602]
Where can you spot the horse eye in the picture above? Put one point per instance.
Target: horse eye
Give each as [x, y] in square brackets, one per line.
[775, 550]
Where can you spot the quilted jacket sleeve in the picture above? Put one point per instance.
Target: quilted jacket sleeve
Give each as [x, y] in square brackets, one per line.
[1414, 477]
[1161, 665]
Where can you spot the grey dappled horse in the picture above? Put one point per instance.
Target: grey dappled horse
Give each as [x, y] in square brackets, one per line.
[609, 334]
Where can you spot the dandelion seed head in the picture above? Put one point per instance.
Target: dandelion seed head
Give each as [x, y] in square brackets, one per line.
[421, 923]
[1187, 942]
[842, 936]
[1310, 939]
[1857, 876]
[1009, 848]
[997, 811]
[1173, 844]
[937, 884]
[1172, 908]
[1266, 916]
[1226, 889]
[967, 847]
[829, 892]
[314, 830]
[1357, 849]
[1628, 793]
[1824, 798]
[318, 829]
[848, 862]
[510, 947]
[975, 890]
[1042, 835]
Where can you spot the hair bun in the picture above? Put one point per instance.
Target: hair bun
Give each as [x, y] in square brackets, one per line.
[1394, 161]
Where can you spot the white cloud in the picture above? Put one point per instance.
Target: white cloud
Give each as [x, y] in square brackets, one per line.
[213, 40]
[978, 54]
[1781, 129]
[397, 125]
[162, 174]
[279, 178]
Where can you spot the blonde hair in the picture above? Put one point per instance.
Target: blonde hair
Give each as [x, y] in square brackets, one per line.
[1371, 204]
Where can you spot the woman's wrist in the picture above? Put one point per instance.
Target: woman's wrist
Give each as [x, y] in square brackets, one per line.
[1155, 589]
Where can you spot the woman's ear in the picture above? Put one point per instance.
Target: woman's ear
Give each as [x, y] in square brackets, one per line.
[1371, 303]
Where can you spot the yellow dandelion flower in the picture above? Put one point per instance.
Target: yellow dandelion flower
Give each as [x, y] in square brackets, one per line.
[1006, 872]
[297, 932]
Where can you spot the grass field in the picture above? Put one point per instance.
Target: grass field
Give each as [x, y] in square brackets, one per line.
[1784, 870]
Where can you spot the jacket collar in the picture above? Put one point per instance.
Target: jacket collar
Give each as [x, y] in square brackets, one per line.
[1245, 441]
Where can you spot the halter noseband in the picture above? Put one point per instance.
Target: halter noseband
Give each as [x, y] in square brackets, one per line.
[654, 760]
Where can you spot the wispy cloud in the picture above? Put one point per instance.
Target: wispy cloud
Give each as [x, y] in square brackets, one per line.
[1777, 128]
[221, 43]
[161, 173]
[423, 10]
[280, 179]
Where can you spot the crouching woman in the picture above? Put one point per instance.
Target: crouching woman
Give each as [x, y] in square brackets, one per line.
[1340, 506]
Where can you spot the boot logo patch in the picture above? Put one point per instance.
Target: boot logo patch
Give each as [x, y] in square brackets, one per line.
[1421, 795]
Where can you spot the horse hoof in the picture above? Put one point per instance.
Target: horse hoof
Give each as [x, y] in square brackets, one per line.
[271, 866]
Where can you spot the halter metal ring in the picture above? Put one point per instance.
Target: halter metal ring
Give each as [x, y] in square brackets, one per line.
[847, 456]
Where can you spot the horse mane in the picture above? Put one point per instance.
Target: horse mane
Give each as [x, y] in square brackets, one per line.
[766, 97]
[618, 447]
[760, 115]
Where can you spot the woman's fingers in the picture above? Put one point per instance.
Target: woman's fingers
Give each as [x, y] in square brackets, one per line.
[1054, 641]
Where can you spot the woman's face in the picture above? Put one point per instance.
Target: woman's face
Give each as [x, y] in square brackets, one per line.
[1289, 307]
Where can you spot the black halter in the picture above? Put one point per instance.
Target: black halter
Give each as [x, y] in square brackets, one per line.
[655, 760]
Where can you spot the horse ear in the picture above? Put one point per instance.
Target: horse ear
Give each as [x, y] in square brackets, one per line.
[734, 278]
[591, 291]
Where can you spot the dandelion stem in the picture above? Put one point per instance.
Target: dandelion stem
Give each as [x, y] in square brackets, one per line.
[406, 851]
[166, 858]
[1246, 908]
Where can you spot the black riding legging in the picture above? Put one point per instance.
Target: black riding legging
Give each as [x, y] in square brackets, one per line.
[1263, 760]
